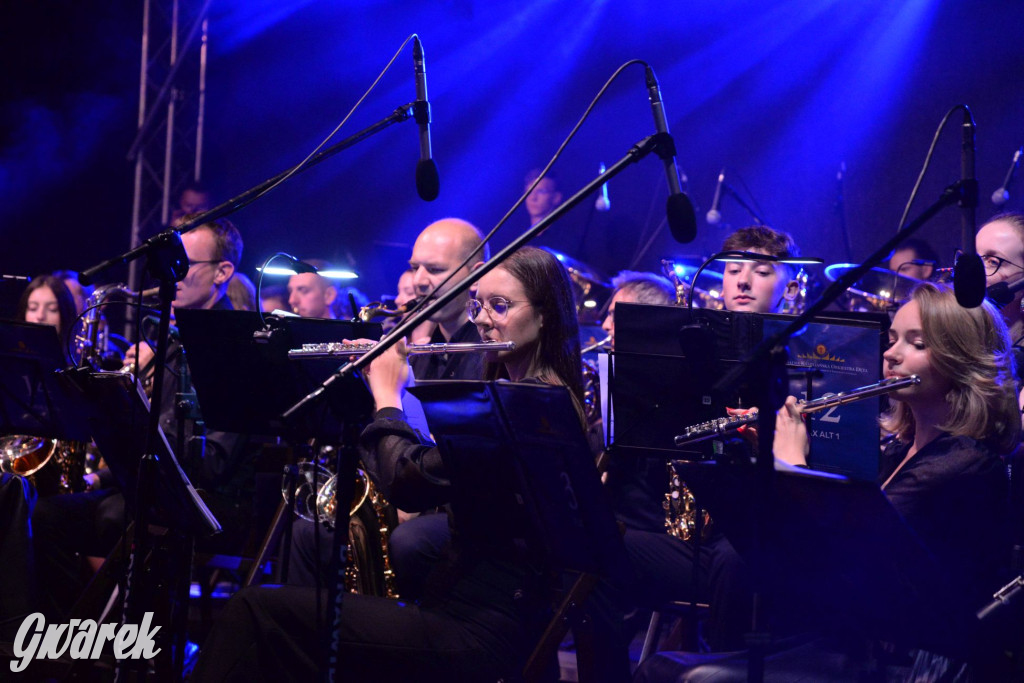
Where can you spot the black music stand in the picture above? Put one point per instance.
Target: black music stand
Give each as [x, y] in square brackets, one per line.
[667, 360]
[33, 399]
[244, 384]
[837, 550]
[522, 472]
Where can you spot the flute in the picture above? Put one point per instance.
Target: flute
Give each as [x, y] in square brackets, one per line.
[724, 425]
[345, 349]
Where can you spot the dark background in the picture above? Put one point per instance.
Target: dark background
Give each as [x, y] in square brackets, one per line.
[777, 93]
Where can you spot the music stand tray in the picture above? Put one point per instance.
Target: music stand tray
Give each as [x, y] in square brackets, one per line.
[837, 549]
[244, 386]
[521, 471]
[33, 399]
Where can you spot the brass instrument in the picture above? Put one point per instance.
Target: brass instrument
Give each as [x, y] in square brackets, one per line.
[52, 465]
[316, 500]
[708, 298]
[681, 510]
[345, 349]
[92, 340]
[724, 425]
[379, 309]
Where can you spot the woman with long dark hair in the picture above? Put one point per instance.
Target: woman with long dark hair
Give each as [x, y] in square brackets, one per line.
[483, 609]
[48, 301]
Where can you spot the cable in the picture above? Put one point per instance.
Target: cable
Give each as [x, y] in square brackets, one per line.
[522, 198]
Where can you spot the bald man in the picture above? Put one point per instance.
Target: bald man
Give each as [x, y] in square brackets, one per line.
[436, 254]
[416, 544]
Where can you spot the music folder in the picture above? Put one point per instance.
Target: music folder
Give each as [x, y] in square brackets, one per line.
[521, 471]
[244, 385]
[835, 551]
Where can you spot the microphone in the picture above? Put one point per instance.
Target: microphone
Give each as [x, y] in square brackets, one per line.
[602, 203]
[682, 221]
[1002, 293]
[1002, 194]
[428, 185]
[714, 216]
[968, 271]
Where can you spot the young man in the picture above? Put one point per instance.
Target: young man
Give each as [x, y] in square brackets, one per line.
[311, 295]
[759, 286]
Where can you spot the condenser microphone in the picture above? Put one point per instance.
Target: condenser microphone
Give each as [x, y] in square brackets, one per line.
[1002, 194]
[968, 271]
[714, 216]
[428, 184]
[682, 221]
[602, 203]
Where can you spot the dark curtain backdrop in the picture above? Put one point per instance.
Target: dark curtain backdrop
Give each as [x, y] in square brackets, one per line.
[779, 94]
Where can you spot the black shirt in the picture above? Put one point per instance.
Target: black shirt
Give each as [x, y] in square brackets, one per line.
[953, 494]
[450, 365]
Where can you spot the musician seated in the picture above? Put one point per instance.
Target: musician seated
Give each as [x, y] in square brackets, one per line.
[417, 543]
[914, 258]
[311, 295]
[759, 286]
[483, 608]
[943, 471]
[90, 523]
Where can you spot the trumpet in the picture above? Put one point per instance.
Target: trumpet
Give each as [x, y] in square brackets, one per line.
[723, 425]
[345, 349]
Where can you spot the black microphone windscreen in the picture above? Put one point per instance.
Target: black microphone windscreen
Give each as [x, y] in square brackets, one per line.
[682, 219]
[428, 183]
[969, 280]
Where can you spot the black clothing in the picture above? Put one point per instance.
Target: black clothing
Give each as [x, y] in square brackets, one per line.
[953, 494]
[450, 365]
[17, 496]
[482, 611]
[415, 545]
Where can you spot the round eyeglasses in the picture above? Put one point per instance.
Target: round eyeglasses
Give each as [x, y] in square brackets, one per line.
[497, 307]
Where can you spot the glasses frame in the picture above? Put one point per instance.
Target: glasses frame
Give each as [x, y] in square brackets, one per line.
[984, 259]
[489, 307]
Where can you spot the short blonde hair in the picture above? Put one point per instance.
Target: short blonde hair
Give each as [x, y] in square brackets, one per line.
[971, 348]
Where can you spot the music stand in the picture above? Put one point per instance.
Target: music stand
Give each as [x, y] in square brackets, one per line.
[33, 400]
[119, 412]
[244, 385]
[522, 473]
[836, 548]
[667, 359]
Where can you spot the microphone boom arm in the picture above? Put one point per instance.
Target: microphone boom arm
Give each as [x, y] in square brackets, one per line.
[651, 143]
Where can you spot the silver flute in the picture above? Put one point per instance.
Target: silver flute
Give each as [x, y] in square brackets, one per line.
[723, 425]
[346, 349]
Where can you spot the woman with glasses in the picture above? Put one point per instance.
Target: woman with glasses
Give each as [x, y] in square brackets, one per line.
[1000, 243]
[482, 611]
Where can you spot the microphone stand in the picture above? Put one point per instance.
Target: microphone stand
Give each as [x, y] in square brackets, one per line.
[660, 143]
[726, 187]
[764, 370]
[232, 205]
[168, 263]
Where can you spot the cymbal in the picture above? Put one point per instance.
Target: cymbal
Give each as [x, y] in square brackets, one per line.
[879, 287]
[578, 269]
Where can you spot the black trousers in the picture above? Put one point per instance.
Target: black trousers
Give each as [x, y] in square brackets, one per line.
[271, 633]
